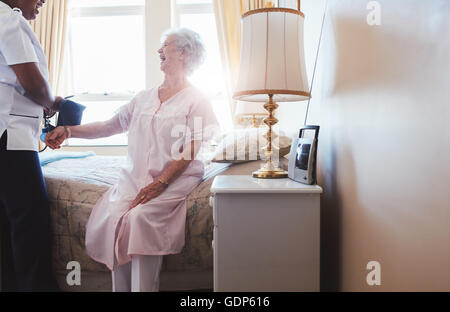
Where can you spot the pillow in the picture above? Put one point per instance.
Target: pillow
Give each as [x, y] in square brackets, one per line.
[245, 145]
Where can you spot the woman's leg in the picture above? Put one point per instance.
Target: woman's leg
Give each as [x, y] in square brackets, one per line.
[121, 278]
[145, 273]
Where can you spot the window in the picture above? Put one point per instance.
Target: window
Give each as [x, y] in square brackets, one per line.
[106, 58]
[199, 16]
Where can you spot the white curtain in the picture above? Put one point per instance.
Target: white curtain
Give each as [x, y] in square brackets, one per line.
[50, 28]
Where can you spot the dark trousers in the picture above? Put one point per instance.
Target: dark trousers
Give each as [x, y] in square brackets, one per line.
[24, 223]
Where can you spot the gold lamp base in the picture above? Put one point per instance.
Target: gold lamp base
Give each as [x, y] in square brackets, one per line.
[277, 173]
[270, 170]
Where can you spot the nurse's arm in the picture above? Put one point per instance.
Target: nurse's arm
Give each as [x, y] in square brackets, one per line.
[35, 85]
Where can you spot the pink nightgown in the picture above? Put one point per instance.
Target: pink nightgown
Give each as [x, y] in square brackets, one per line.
[156, 131]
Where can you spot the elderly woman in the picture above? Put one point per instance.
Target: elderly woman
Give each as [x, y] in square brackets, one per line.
[24, 205]
[143, 216]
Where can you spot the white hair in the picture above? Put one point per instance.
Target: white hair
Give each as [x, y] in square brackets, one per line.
[191, 43]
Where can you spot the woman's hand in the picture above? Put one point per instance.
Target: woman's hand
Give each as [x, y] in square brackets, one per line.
[147, 193]
[55, 138]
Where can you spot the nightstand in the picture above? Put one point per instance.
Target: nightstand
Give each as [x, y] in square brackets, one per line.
[266, 234]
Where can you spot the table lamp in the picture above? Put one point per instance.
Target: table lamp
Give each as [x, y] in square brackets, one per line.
[272, 69]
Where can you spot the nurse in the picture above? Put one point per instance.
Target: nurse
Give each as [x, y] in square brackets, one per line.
[143, 217]
[24, 205]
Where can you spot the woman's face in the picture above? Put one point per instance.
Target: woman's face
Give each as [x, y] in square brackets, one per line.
[171, 56]
[30, 8]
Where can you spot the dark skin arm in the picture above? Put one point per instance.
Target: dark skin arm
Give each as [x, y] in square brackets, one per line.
[36, 87]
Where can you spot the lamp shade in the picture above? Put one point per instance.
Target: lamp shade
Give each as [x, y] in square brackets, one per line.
[272, 56]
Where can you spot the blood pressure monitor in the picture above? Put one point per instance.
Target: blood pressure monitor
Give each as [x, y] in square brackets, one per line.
[302, 159]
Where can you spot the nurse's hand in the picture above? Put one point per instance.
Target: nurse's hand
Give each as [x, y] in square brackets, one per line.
[51, 111]
[55, 107]
[55, 138]
[147, 193]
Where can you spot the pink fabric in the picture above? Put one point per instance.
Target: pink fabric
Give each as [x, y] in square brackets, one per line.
[155, 135]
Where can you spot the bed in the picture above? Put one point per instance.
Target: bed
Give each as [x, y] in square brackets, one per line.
[75, 185]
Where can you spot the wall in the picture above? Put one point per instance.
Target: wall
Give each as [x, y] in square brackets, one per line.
[381, 98]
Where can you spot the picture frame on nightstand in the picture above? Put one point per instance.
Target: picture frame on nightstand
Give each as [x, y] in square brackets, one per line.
[303, 156]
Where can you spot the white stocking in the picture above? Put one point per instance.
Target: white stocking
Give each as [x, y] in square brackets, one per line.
[121, 278]
[145, 273]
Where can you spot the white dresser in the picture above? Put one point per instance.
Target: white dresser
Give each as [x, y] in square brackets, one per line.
[266, 234]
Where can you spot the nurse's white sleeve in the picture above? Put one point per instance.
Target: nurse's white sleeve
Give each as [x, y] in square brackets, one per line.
[15, 44]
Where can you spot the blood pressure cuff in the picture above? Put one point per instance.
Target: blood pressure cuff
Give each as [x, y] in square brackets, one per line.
[70, 113]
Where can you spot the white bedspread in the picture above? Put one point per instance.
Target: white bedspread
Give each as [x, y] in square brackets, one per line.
[104, 170]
